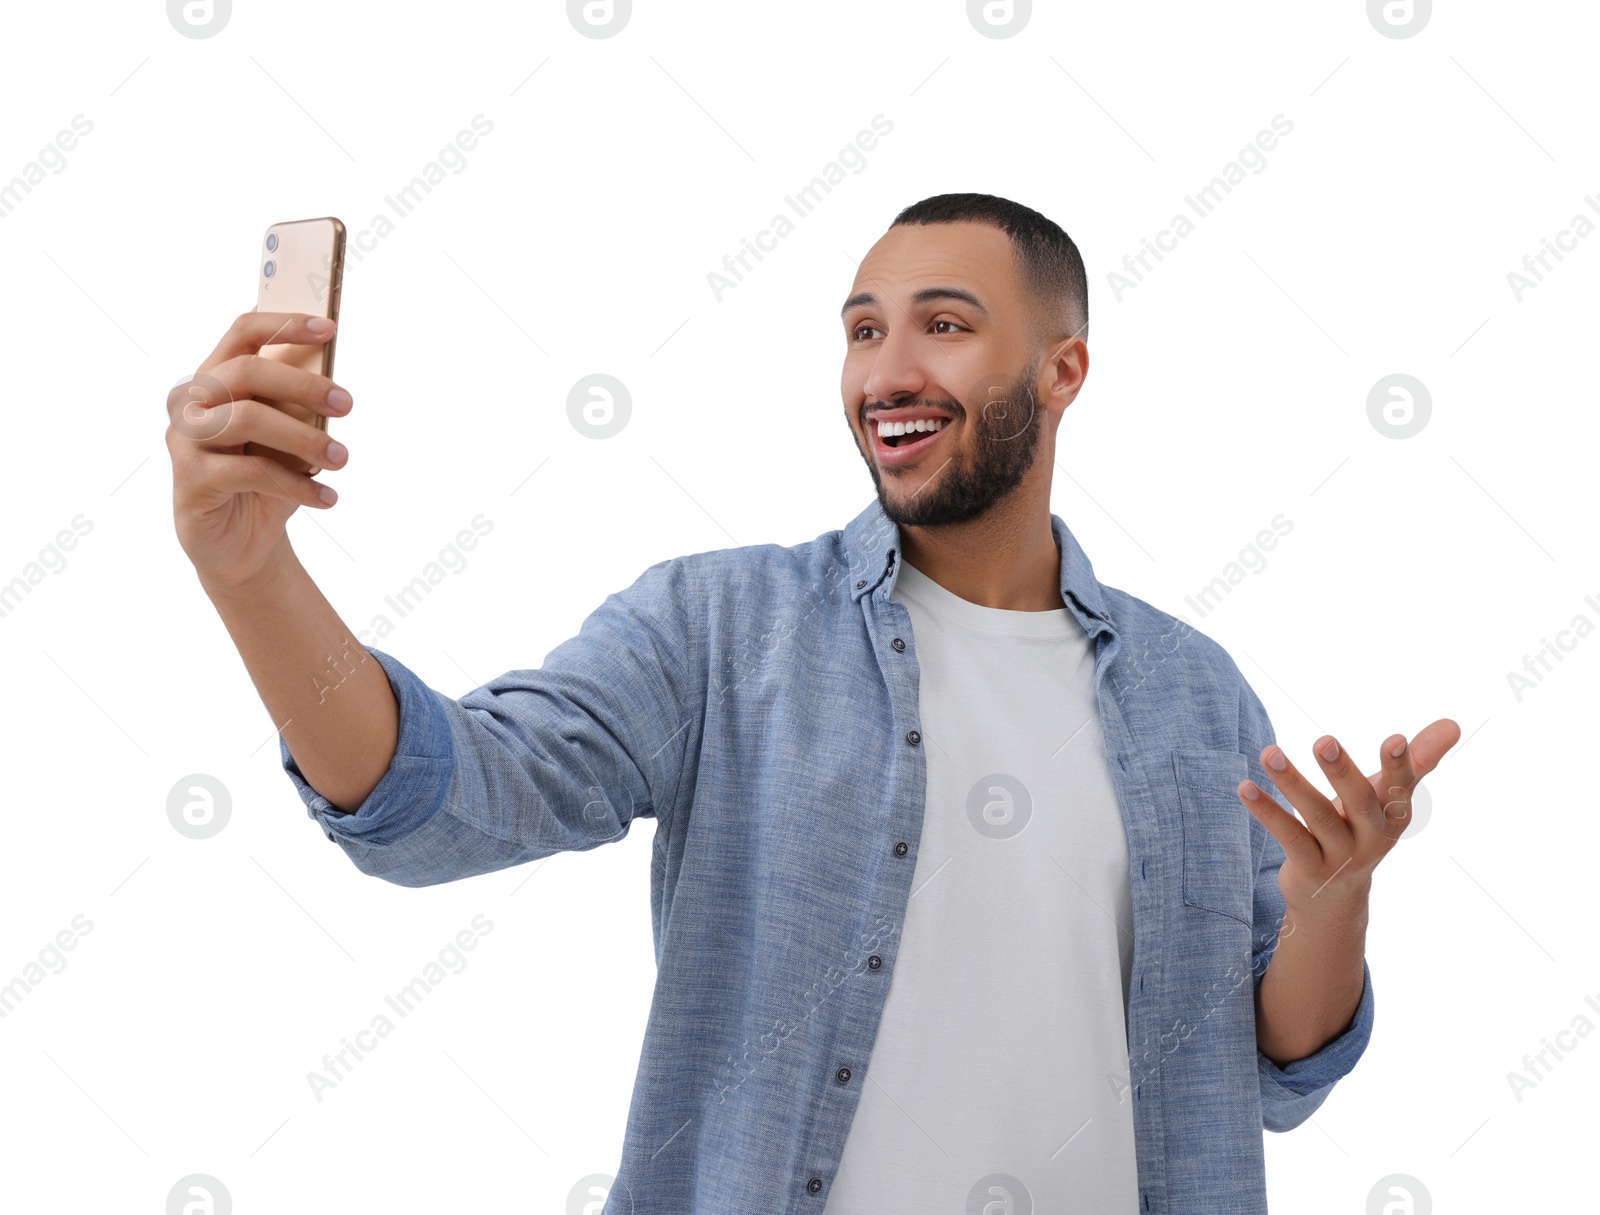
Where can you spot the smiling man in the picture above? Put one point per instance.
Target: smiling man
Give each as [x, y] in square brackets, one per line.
[969, 886]
[1090, 899]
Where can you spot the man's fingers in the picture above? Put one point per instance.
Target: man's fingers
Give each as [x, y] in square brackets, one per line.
[1396, 777]
[1297, 842]
[229, 427]
[255, 375]
[1321, 816]
[223, 474]
[1431, 742]
[1354, 788]
[200, 406]
[251, 331]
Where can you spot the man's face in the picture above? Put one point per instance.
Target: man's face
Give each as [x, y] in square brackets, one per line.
[936, 323]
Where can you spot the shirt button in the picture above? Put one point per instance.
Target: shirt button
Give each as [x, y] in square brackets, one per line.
[901, 848]
[330, 835]
[859, 585]
[842, 1075]
[814, 1184]
[898, 644]
[913, 738]
[874, 962]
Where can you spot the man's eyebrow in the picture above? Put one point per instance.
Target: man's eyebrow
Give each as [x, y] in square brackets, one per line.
[865, 299]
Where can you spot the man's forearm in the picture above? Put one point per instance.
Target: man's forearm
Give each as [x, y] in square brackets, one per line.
[328, 697]
[1308, 996]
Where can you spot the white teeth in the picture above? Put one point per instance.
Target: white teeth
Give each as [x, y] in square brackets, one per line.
[885, 429]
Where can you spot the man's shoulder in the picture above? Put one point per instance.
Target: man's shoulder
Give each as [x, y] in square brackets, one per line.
[820, 561]
[1152, 636]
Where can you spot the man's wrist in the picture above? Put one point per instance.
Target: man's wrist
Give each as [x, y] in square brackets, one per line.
[273, 573]
[1349, 909]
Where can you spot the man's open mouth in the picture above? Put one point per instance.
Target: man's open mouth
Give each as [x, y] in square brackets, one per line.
[909, 434]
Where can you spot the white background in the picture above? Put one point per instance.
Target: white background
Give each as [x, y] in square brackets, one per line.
[1229, 386]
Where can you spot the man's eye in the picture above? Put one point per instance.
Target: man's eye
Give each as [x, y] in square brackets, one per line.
[947, 323]
[855, 334]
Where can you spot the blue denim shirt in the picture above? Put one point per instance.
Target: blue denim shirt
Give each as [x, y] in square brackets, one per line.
[761, 704]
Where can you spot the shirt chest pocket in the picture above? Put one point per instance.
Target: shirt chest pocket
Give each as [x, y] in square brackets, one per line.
[1218, 871]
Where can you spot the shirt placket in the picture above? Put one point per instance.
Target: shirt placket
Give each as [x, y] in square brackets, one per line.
[897, 834]
[1146, 873]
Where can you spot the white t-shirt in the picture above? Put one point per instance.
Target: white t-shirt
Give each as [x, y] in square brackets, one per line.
[1007, 1006]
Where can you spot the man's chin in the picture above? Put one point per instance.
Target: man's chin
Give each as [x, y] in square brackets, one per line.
[903, 506]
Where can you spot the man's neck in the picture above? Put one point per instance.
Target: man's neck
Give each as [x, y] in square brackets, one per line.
[1006, 558]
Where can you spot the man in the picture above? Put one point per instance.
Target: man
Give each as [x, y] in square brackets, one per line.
[955, 898]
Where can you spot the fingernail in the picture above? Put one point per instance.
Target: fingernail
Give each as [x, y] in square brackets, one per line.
[1330, 751]
[339, 399]
[320, 326]
[336, 452]
[1250, 792]
[1398, 751]
[327, 495]
[1276, 760]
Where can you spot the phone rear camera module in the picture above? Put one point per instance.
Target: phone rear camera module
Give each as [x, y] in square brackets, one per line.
[270, 268]
[272, 241]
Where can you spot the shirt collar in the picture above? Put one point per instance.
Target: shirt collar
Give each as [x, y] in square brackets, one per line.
[872, 541]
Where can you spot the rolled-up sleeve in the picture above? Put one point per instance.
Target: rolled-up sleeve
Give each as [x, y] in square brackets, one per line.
[562, 758]
[413, 787]
[1291, 1094]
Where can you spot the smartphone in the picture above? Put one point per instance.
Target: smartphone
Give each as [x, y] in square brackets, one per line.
[300, 268]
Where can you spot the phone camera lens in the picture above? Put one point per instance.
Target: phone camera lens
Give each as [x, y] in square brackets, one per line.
[269, 268]
[272, 241]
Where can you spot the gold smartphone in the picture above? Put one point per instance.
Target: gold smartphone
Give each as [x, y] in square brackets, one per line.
[300, 268]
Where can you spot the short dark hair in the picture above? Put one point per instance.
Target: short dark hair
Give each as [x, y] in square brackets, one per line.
[1052, 268]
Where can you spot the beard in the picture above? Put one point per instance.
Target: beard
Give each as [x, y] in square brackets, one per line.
[983, 467]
